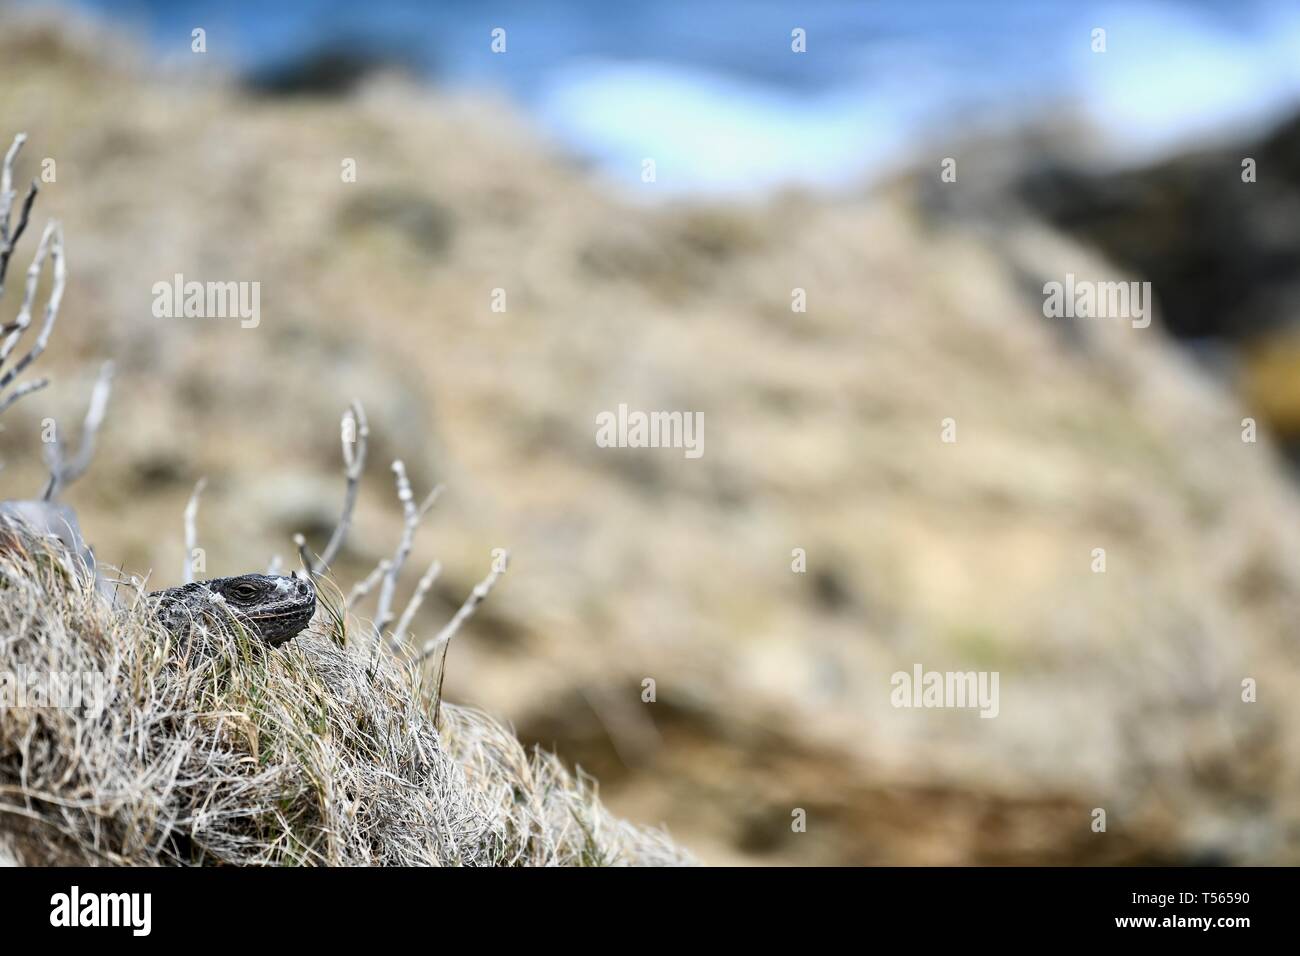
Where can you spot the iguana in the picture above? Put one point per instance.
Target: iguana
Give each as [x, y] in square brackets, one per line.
[273, 606]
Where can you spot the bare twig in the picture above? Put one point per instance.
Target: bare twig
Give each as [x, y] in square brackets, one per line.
[443, 638]
[476, 597]
[7, 182]
[413, 605]
[51, 245]
[63, 474]
[24, 389]
[9, 239]
[304, 555]
[412, 517]
[7, 245]
[385, 575]
[90, 427]
[191, 535]
[353, 434]
[362, 588]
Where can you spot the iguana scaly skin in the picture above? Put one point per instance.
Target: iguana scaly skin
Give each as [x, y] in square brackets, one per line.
[273, 606]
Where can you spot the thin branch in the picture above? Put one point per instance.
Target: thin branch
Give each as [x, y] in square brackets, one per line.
[90, 427]
[412, 517]
[62, 475]
[7, 244]
[443, 638]
[191, 535]
[476, 597]
[303, 554]
[364, 587]
[354, 442]
[408, 615]
[24, 389]
[384, 613]
[51, 245]
[7, 183]
[9, 239]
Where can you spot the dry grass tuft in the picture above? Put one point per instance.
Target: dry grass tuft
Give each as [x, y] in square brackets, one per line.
[218, 750]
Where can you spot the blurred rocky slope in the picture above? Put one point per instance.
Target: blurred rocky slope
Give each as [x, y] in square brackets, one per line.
[1118, 690]
[1220, 245]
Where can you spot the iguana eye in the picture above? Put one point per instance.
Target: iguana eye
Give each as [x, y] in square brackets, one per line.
[243, 592]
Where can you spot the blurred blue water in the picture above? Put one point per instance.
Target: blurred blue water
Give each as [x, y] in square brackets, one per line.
[713, 92]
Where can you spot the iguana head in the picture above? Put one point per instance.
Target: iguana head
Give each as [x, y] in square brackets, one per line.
[276, 606]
